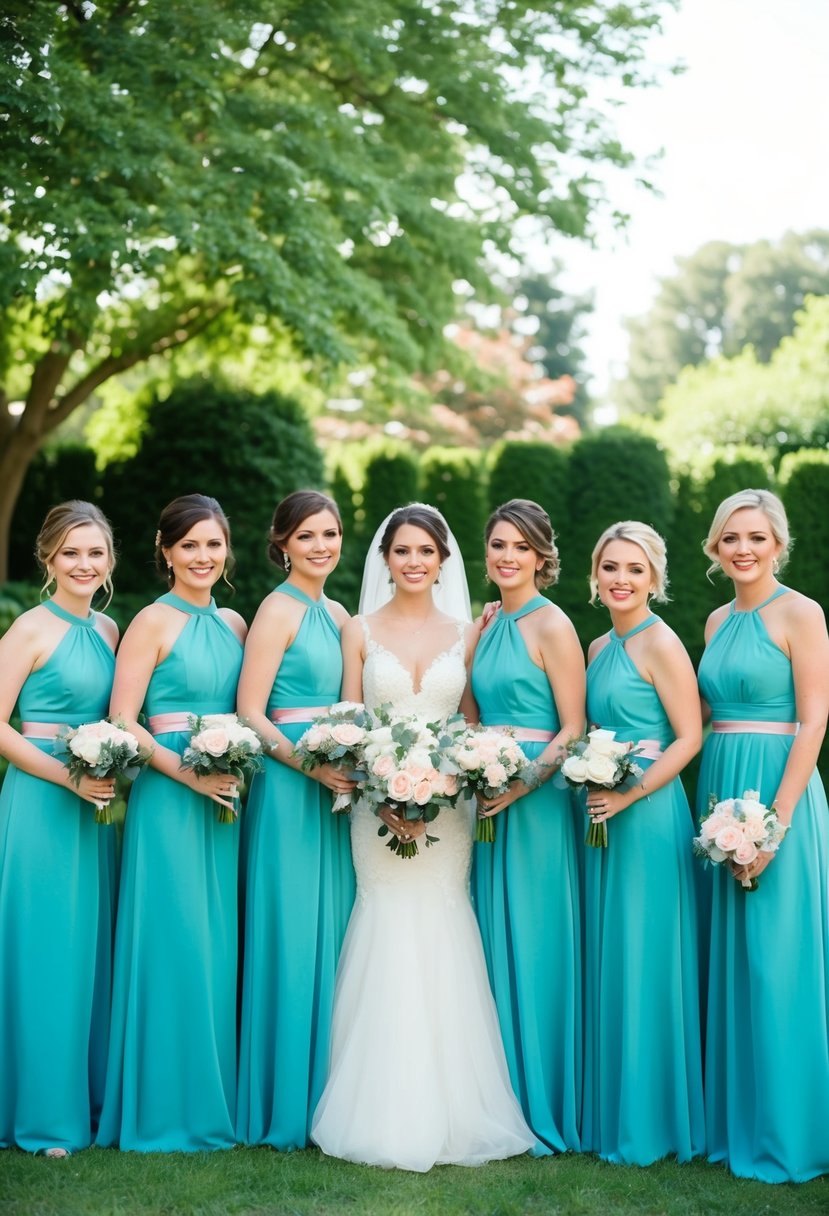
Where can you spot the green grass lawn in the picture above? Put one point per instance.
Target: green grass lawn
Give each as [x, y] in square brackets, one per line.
[245, 1182]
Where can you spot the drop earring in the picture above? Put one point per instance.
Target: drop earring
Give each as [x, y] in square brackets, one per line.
[775, 566]
[286, 562]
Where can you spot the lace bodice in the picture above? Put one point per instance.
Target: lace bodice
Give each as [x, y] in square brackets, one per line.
[387, 681]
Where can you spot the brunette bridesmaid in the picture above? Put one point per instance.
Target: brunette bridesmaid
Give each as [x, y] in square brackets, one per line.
[171, 1079]
[298, 876]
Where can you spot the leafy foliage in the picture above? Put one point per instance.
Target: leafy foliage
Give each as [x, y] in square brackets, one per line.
[57, 473]
[721, 300]
[327, 172]
[453, 481]
[247, 451]
[781, 405]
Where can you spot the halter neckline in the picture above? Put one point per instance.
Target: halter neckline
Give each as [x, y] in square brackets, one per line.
[537, 601]
[735, 611]
[623, 637]
[295, 593]
[176, 601]
[64, 614]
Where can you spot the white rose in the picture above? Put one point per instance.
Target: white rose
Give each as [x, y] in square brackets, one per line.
[88, 749]
[601, 769]
[602, 742]
[575, 769]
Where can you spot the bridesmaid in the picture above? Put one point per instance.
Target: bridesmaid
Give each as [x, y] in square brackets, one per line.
[765, 676]
[299, 880]
[643, 1066]
[56, 904]
[528, 673]
[171, 1079]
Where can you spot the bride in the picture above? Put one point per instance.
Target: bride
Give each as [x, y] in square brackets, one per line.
[418, 1075]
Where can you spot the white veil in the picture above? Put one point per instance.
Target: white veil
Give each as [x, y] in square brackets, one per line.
[450, 593]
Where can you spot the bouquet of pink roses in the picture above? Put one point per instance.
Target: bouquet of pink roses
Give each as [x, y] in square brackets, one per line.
[489, 760]
[101, 749]
[410, 766]
[221, 743]
[736, 830]
[598, 759]
[336, 737]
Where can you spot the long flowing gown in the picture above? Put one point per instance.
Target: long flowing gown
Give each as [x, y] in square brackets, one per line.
[643, 1065]
[526, 892]
[767, 1056]
[418, 1075]
[171, 1077]
[56, 916]
[299, 888]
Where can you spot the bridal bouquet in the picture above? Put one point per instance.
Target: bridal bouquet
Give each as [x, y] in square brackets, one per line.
[736, 830]
[598, 759]
[336, 737]
[221, 743]
[410, 766]
[100, 749]
[489, 760]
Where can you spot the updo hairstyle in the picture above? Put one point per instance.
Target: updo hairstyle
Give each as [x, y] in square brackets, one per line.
[651, 544]
[176, 520]
[419, 516]
[58, 523]
[290, 513]
[533, 522]
[761, 500]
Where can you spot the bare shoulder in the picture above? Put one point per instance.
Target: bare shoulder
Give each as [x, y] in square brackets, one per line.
[352, 631]
[338, 613]
[716, 619]
[107, 629]
[664, 646]
[552, 623]
[151, 621]
[236, 622]
[801, 612]
[597, 646]
[28, 627]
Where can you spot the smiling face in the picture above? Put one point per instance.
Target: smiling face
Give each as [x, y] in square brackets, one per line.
[199, 557]
[511, 562]
[747, 548]
[624, 578]
[314, 547]
[413, 559]
[82, 562]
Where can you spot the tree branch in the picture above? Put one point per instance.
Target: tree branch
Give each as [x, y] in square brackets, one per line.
[187, 327]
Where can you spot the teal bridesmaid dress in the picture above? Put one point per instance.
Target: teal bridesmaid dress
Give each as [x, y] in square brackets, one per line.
[767, 1054]
[171, 1077]
[643, 1064]
[526, 891]
[299, 889]
[56, 916]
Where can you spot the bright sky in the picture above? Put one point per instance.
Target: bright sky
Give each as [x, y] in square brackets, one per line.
[745, 133]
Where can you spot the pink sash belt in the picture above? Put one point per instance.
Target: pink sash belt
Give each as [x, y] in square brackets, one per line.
[648, 749]
[167, 724]
[41, 730]
[525, 734]
[299, 713]
[754, 728]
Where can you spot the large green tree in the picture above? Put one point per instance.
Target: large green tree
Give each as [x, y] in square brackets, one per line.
[177, 168]
[722, 298]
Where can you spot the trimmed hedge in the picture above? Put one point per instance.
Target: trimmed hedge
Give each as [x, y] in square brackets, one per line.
[56, 474]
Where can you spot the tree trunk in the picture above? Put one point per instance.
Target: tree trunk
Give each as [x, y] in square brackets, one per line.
[18, 451]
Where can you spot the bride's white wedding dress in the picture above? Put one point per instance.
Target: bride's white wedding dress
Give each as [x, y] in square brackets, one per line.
[418, 1075]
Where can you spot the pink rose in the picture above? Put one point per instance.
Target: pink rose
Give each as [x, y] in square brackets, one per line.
[728, 838]
[314, 738]
[754, 828]
[495, 775]
[712, 825]
[745, 852]
[213, 740]
[450, 785]
[400, 786]
[383, 766]
[422, 792]
[347, 733]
